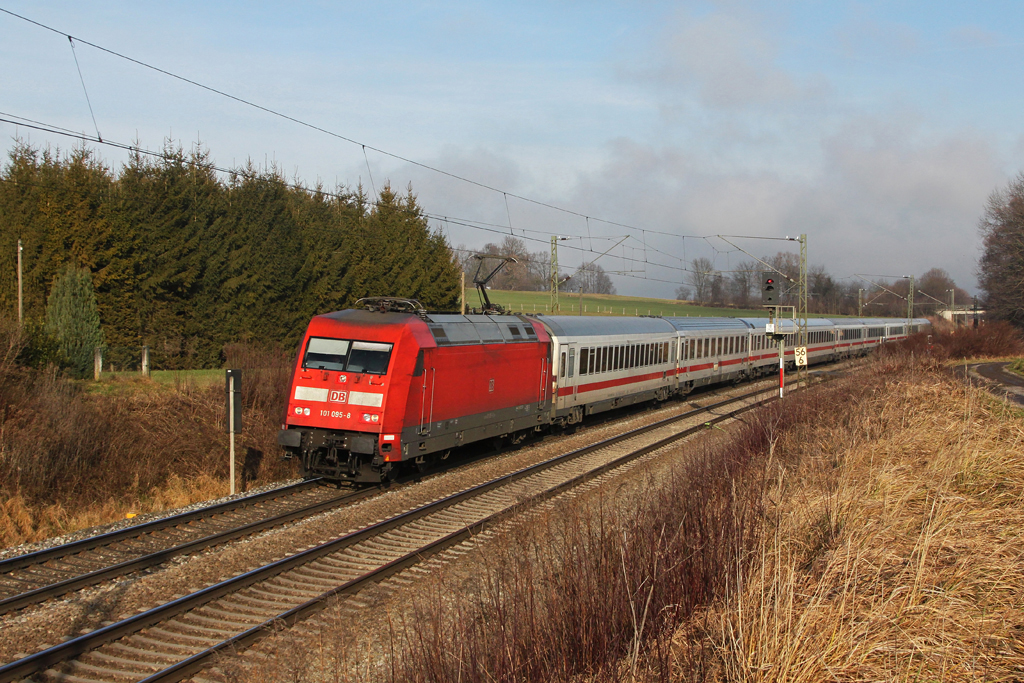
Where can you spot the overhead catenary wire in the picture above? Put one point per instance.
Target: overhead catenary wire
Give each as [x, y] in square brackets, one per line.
[44, 127]
[325, 131]
[645, 261]
[84, 89]
[473, 224]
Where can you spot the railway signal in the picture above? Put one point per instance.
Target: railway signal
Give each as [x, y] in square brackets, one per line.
[769, 290]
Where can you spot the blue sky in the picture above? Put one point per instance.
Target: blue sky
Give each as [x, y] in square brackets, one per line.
[879, 129]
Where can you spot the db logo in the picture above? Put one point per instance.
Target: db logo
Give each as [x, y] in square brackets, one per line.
[338, 396]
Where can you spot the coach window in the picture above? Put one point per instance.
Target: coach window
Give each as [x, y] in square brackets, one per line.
[622, 358]
[618, 357]
[561, 366]
[604, 359]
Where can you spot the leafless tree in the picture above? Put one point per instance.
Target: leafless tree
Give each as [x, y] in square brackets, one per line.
[699, 277]
[592, 278]
[742, 281]
[1001, 266]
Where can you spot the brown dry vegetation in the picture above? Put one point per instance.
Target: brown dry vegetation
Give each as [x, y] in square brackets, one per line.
[869, 529]
[71, 459]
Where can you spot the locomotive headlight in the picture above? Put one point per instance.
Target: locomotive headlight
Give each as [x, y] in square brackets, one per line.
[305, 411]
[298, 410]
[366, 417]
[375, 418]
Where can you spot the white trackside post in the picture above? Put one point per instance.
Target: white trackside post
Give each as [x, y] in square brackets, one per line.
[782, 366]
[231, 430]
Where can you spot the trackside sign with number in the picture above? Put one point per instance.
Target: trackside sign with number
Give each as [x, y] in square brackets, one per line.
[800, 353]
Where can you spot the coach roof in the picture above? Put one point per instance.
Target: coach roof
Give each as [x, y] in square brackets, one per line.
[708, 324]
[596, 326]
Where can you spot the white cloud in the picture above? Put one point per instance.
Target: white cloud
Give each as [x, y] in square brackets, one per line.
[727, 58]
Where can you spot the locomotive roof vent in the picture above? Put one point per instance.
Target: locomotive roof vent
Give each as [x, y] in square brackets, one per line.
[391, 304]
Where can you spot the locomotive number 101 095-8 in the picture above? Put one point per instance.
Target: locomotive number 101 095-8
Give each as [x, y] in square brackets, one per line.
[335, 413]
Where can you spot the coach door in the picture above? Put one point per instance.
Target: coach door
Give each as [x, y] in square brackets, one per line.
[566, 379]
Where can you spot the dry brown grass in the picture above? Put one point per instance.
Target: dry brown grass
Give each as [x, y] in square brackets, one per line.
[895, 552]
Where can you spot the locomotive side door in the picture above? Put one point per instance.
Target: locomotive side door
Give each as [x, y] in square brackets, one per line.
[426, 389]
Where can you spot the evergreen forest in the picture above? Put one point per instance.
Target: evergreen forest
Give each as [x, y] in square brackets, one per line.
[185, 259]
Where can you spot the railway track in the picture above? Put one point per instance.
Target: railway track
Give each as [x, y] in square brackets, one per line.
[176, 640]
[35, 577]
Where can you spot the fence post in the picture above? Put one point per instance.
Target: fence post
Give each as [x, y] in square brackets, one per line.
[97, 363]
[145, 361]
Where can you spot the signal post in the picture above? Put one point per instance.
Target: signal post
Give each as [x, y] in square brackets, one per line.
[773, 330]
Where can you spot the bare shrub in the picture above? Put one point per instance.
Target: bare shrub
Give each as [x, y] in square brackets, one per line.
[996, 339]
[597, 590]
[70, 458]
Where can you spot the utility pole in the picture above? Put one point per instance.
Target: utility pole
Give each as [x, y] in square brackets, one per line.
[462, 294]
[910, 304]
[802, 314]
[554, 272]
[952, 306]
[21, 308]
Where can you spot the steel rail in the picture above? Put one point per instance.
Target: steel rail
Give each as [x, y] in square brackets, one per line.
[40, 661]
[53, 590]
[38, 557]
[197, 662]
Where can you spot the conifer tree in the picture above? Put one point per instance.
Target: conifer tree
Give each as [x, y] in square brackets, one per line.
[73, 318]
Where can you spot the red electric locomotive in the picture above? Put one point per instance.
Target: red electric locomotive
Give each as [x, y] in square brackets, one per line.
[375, 388]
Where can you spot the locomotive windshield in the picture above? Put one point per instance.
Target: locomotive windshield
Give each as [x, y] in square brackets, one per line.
[348, 356]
